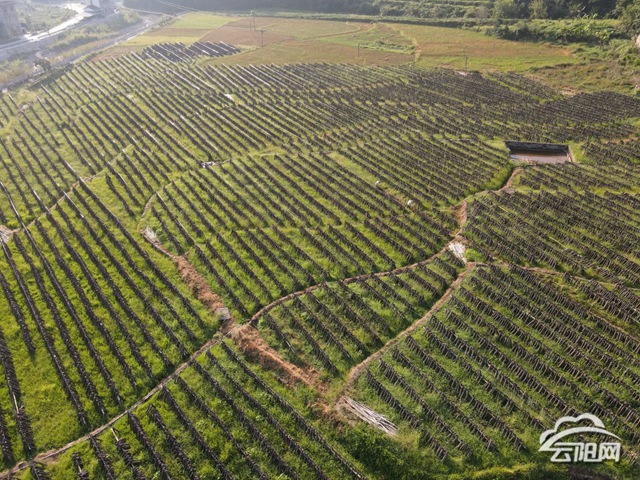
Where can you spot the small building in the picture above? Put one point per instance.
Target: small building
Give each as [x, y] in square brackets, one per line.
[9, 23]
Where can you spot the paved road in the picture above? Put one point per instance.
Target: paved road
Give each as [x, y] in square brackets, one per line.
[79, 8]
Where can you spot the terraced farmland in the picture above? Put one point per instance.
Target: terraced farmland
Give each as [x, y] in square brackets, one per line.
[253, 271]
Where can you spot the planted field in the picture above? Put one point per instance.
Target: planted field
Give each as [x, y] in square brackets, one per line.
[253, 271]
[506, 355]
[579, 233]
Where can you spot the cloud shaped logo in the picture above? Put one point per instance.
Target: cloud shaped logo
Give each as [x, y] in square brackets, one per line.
[554, 441]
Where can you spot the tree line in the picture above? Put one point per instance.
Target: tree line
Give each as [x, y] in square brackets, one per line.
[627, 10]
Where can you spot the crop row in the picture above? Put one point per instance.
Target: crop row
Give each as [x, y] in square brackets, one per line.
[506, 355]
[179, 52]
[105, 324]
[340, 323]
[218, 419]
[612, 177]
[577, 231]
[91, 117]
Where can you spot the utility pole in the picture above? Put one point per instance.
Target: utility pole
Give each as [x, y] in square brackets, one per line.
[358, 50]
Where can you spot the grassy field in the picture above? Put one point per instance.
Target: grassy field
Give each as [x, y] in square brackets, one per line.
[202, 20]
[447, 47]
[376, 37]
[573, 78]
[278, 40]
[314, 28]
[187, 29]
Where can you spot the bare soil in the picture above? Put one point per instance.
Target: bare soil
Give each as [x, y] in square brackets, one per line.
[516, 171]
[248, 340]
[198, 285]
[461, 213]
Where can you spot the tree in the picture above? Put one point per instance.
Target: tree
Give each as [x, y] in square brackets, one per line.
[44, 63]
[620, 6]
[539, 9]
[505, 9]
[630, 19]
[557, 8]
[600, 7]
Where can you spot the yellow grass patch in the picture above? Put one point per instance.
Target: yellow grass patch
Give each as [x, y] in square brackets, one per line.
[244, 37]
[204, 20]
[168, 34]
[300, 51]
[315, 28]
